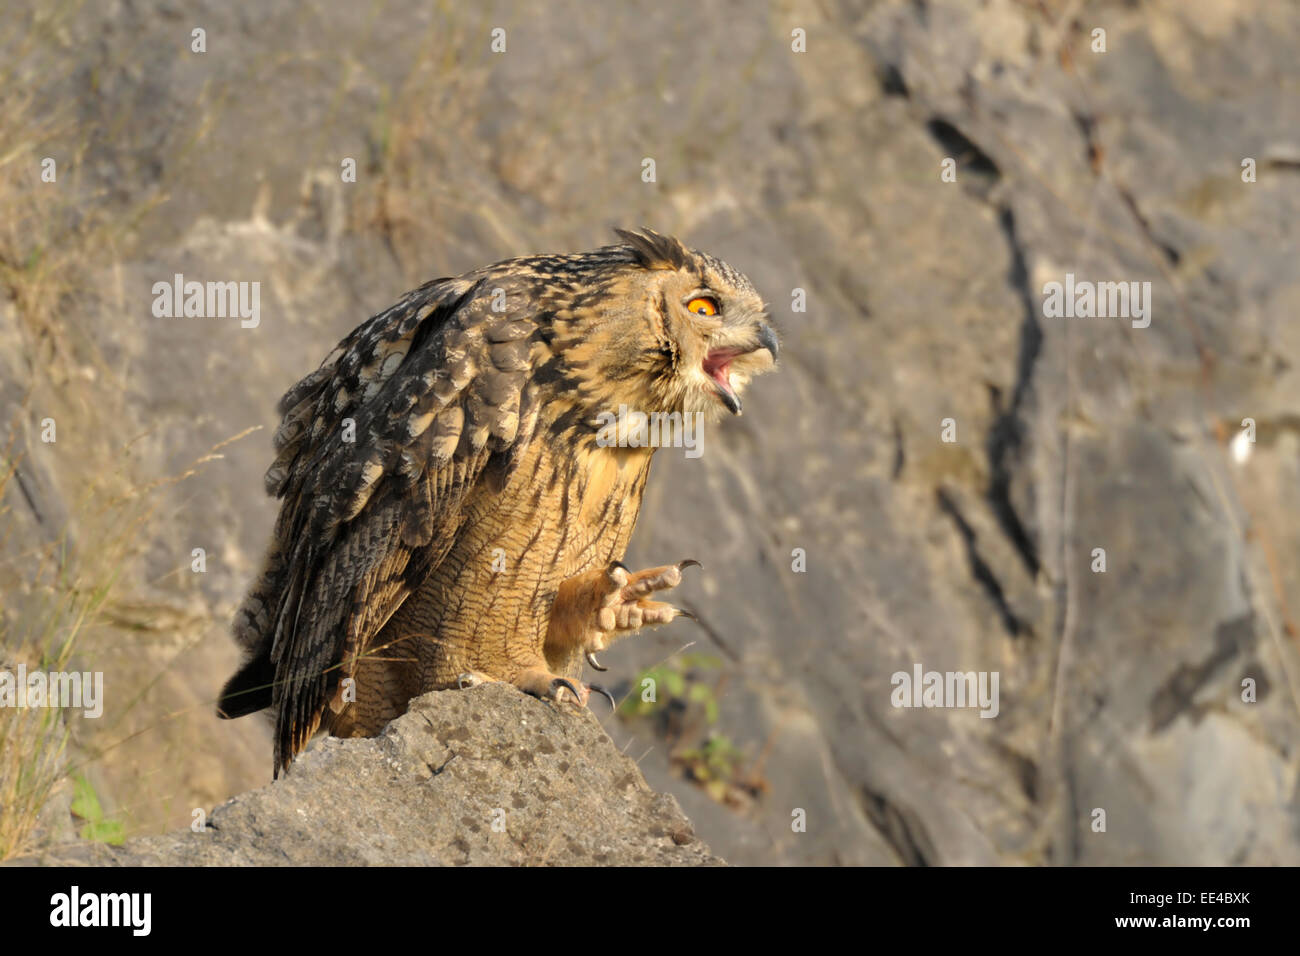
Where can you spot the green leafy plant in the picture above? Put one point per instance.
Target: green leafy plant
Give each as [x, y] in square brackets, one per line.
[717, 765]
[85, 806]
[681, 697]
[676, 682]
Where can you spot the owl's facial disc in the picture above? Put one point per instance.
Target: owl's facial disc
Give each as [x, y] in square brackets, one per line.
[718, 335]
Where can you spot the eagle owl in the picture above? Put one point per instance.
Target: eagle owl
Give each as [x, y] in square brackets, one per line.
[451, 513]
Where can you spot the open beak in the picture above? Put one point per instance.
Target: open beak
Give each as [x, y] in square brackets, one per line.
[717, 365]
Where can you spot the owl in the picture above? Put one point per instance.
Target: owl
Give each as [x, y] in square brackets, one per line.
[455, 503]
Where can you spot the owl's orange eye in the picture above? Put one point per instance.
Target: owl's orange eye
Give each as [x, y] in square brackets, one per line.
[702, 305]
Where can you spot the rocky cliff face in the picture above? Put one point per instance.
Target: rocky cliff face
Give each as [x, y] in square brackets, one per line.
[484, 776]
[821, 175]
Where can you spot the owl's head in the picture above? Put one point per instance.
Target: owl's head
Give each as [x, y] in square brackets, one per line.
[680, 331]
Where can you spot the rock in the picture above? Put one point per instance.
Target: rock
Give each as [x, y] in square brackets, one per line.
[484, 776]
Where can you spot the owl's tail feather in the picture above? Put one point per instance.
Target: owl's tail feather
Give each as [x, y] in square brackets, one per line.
[249, 690]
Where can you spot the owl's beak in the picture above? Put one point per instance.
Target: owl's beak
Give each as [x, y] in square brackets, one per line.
[717, 365]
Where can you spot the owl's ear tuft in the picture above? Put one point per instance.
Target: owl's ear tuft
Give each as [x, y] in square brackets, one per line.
[654, 251]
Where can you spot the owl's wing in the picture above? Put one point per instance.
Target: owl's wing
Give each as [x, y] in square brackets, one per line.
[377, 452]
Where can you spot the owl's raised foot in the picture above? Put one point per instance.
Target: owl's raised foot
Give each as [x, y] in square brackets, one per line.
[594, 609]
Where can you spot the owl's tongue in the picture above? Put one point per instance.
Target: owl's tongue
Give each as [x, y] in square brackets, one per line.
[717, 366]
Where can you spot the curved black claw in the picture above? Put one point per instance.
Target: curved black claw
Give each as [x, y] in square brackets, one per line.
[682, 612]
[596, 688]
[564, 682]
[688, 563]
[595, 664]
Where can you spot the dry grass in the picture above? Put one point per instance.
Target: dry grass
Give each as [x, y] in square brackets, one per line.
[62, 602]
[426, 123]
[53, 595]
[52, 234]
[37, 226]
[460, 175]
[41, 612]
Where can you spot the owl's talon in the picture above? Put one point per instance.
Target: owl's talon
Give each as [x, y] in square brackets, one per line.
[601, 690]
[688, 563]
[540, 682]
[561, 684]
[595, 664]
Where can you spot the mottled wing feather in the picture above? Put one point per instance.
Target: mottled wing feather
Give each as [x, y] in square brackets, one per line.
[436, 391]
